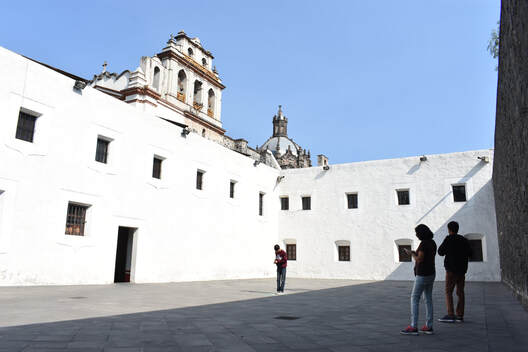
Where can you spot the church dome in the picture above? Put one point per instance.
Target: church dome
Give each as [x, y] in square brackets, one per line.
[279, 145]
[287, 153]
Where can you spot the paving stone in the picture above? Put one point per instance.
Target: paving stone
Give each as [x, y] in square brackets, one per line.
[86, 344]
[48, 344]
[334, 315]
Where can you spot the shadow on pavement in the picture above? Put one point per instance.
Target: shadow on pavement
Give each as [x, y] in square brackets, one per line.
[363, 317]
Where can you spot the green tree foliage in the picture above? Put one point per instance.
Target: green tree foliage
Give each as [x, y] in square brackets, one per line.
[493, 43]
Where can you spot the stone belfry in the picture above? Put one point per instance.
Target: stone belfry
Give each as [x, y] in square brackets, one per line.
[179, 84]
[280, 124]
[288, 154]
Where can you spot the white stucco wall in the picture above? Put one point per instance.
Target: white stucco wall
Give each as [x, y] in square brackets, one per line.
[374, 227]
[183, 233]
[186, 234]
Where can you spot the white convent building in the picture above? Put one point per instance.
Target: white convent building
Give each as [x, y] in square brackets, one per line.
[131, 177]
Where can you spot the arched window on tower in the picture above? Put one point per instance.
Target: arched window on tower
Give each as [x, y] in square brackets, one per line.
[156, 78]
[204, 62]
[190, 52]
[197, 98]
[182, 85]
[210, 103]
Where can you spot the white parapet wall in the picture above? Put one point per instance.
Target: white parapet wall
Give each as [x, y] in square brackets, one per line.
[182, 233]
[375, 228]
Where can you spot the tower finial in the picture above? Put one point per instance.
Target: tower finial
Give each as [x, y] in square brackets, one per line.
[280, 109]
[104, 67]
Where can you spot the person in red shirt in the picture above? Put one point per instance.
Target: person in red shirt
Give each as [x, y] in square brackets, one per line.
[281, 260]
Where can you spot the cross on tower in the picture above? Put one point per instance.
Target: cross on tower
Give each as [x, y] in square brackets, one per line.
[104, 67]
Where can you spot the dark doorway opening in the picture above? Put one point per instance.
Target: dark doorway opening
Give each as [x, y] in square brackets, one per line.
[123, 263]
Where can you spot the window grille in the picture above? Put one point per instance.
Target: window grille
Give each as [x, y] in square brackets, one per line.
[352, 200]
[459, 193]
[25, 127]
[156, 168]
[285, 203]
[101, 152]
[75, 219]
[344, 253]
[306, 203]
[291, 251]
[403, 197]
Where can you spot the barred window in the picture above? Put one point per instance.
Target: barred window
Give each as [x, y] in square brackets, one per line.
[459, 193]
[26, 126]
[403, 197]
[402, 255]
[285, 203]
[156, 167]
[101, 152]
[199, 179]
[75, 219]
[291, 251]
[306, 203]
[352, 200]
[344, 253]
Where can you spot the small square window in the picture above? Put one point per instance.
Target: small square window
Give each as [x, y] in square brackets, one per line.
[459, 193]
[285, 203]
[402, 255]
[156, 167]
[199, 179]
[306, 203]
[261, 204]
[476, 250]
[352, 200]
[344, 253]
[403, 197]
[75, 219]
[26, 126]
[291, 251]
[101, 152]
[232, 189]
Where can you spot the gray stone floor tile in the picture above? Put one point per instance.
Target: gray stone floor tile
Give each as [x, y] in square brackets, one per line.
[270, 348]
[193, 340]
[48, 344]
[86, 344]
[334, 315]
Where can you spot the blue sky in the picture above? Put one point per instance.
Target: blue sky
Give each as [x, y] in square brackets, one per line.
[358, 80]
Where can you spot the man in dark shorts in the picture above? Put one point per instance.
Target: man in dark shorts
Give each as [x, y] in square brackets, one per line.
[457, 252]
[281, 260]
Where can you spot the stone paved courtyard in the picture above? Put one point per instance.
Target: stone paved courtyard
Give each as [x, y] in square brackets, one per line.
[241, 315]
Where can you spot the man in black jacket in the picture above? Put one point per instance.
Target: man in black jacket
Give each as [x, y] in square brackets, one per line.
[457, 252]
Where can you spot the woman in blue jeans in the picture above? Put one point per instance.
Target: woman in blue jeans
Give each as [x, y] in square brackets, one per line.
[424, 270]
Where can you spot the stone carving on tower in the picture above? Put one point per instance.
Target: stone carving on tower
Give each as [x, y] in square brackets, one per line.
[179, 84]
[288, 154]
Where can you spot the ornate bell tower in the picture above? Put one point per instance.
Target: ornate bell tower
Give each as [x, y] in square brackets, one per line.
[280, 124]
